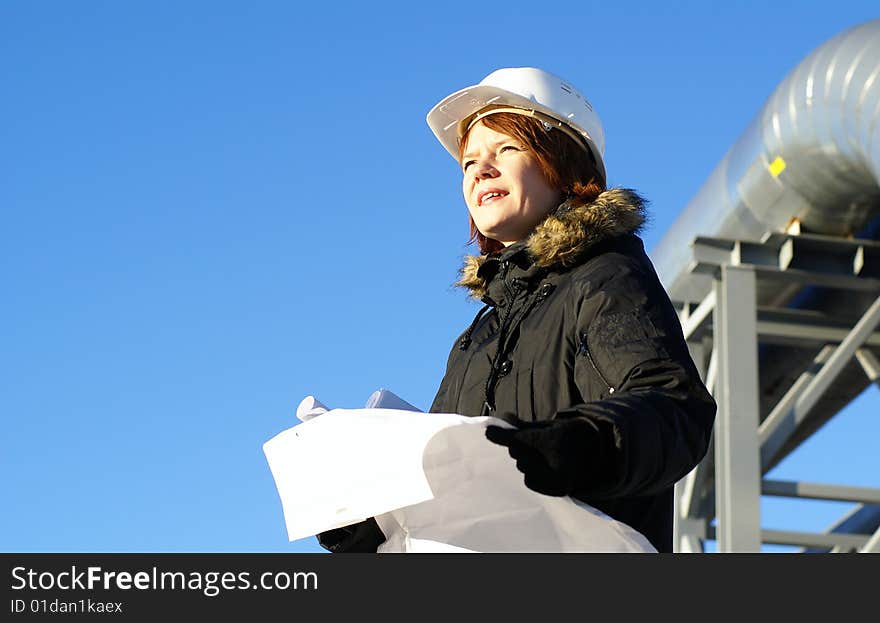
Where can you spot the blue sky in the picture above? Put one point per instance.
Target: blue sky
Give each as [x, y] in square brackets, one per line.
[210, 210]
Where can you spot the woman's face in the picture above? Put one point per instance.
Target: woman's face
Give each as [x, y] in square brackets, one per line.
[504, 188]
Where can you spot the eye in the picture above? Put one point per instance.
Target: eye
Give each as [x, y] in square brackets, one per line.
[465, 166]
[509, 147]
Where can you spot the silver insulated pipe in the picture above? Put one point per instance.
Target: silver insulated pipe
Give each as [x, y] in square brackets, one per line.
[810, 157]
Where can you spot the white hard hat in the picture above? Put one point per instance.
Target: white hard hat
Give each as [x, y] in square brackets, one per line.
[526, 89]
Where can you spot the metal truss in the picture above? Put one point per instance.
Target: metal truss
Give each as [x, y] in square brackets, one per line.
[752, 324]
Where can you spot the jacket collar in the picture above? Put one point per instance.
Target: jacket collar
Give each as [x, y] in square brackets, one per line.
[561, 240]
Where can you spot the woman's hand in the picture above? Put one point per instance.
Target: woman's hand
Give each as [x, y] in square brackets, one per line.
[362, 537]
[556, 456]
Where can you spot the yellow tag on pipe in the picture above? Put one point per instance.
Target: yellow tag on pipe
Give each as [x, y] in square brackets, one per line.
[777, 166]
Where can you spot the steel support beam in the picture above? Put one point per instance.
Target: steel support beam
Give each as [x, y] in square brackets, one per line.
[845, 542]
[687, 502]
[839, 541]
[683, 537]
[737, 464]
[712, 372]
[873, 544]
[861, 519]
[782, 423]
[869, 364]
[776, 326]
[693, 320]
[693, 534]
[815, 491]
[798, 332]
[826, 261]
[784, 409]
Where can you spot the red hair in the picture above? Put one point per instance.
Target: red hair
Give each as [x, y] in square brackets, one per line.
[565, 164]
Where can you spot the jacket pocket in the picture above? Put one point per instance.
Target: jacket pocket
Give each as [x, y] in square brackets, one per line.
[584, 351]
[525, 394]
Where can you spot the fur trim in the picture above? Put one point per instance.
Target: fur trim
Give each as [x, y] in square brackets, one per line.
[568, 233]
[469, 278]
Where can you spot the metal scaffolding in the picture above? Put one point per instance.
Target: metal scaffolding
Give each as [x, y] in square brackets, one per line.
[811, 305]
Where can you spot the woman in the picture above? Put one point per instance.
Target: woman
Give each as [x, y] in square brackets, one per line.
[577, 344]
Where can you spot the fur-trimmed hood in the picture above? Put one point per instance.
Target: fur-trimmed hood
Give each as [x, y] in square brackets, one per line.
[567, 234]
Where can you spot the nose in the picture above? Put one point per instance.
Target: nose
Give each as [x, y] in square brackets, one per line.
[483, 170]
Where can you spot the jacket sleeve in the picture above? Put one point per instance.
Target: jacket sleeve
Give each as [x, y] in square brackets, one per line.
[654, 418]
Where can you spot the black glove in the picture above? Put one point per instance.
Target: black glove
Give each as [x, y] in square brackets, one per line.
[557, 456]
[364, 536]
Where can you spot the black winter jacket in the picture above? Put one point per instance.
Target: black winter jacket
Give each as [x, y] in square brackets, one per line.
[577, 325]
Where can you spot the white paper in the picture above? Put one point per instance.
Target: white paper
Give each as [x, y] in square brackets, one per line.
[433, 483]
[310, 407]
[386, 399]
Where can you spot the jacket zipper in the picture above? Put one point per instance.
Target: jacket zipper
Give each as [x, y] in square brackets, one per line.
[504, 319]
[583, 349]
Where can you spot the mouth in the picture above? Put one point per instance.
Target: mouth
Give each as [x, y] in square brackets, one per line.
[489, 195]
